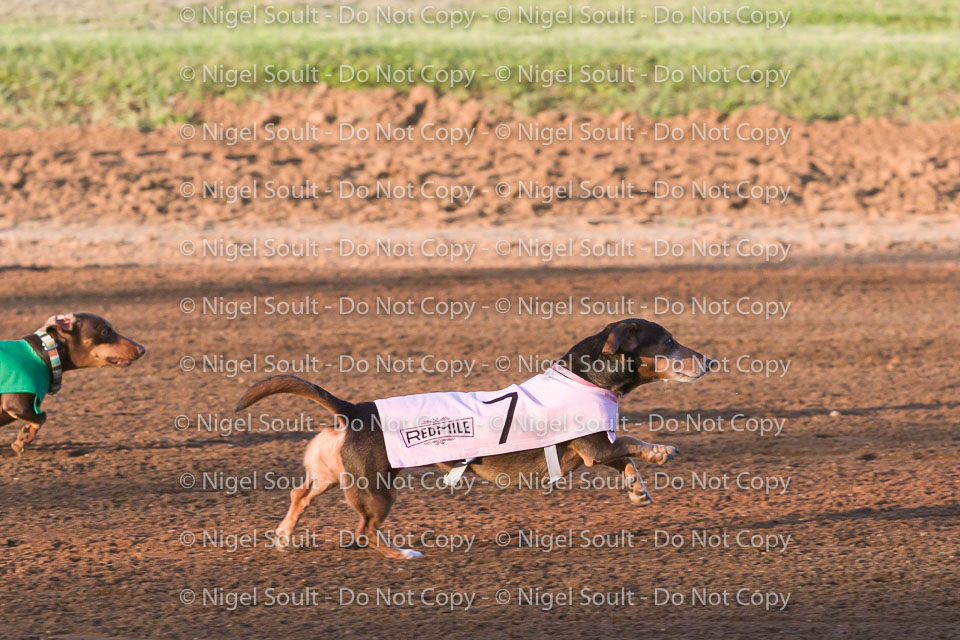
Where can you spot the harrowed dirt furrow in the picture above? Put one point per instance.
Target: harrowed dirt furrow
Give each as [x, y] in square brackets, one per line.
[871, 170]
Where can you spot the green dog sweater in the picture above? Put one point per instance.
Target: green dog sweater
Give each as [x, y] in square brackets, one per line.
[23, 371]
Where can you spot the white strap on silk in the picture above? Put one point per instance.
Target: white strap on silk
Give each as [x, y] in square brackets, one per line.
[553, 467]
[553, 463]
[56, 366]
[453, 476]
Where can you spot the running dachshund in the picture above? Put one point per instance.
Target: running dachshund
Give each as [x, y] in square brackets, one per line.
[625, 355]
[30, 368]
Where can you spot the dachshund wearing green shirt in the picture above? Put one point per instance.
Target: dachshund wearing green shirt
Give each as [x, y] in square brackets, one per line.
[31, 368]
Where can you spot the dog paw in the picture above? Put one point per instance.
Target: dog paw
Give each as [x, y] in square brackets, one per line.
[637, 491]
[409, 553]
[661, 453]
[282, 542]
[640, 499]
[17, 447]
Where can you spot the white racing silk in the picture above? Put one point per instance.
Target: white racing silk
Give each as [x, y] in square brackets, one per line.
[553, 407]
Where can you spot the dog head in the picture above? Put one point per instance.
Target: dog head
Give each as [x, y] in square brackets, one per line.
[629, 353]
[87, 340]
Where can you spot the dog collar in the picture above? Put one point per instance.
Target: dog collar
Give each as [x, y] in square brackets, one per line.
[559, 367]
[56, 367]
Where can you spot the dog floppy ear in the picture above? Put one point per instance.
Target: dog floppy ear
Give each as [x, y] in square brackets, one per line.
[622, 336]
[65, 323]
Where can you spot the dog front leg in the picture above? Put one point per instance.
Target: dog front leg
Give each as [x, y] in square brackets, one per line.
[28, 431]
[6, 418]
[620, 454]
[597, 449]
[630, 447]
[20, 407]
[636, 489]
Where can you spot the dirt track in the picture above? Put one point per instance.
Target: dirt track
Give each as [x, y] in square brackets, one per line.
[93, 513]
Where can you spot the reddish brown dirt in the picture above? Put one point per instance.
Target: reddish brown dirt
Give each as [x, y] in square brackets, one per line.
[872, 168]
[93, 513]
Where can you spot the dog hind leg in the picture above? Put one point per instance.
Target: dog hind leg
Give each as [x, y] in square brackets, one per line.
[373, 504]
[299, 500]
[324, 468]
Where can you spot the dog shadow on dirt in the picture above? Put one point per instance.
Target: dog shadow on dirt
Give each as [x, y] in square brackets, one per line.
[247, 439]
[77, 449]
[729, 412]
[949, 512]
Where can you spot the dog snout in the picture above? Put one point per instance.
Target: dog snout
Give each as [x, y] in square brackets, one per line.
[138, 349]
[703, 365]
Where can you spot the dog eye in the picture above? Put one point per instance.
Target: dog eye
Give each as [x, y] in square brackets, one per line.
[670, 342]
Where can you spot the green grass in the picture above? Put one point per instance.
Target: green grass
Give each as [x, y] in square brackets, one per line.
[152, 14]
[900, 59]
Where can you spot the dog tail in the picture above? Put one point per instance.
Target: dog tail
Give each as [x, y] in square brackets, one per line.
[298, 387]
